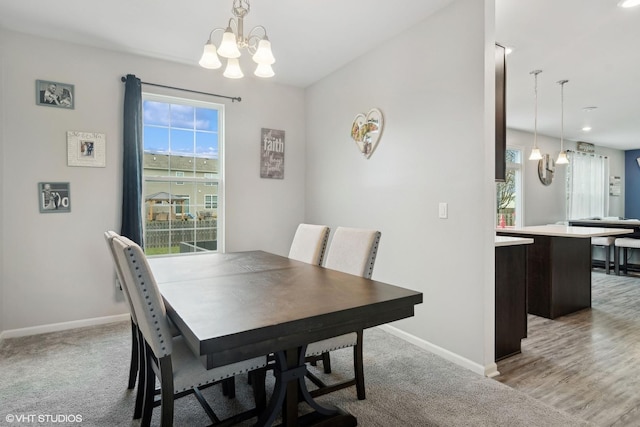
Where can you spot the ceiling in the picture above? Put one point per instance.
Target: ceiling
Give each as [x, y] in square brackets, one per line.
[591, 43]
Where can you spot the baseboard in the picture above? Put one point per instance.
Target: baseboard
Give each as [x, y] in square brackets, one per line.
[55, 327]
[491, 370]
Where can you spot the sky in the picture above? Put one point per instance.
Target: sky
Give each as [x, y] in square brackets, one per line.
[180, 129]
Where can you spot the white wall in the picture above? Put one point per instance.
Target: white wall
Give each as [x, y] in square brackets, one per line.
[547, 204]
[431, 84]
[2, 182]
[435, 85]
[56, 266]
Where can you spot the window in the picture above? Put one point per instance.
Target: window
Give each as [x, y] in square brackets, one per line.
[182, 208]
[179, 173]
[509, 193]
[210, 201]
[587, 186]
[182, 174]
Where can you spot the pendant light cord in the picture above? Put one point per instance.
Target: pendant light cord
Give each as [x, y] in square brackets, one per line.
[561, 83]
[535, 111]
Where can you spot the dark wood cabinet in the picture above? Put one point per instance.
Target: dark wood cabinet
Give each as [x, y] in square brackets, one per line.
[511, 299]
[558, 274]
[501, 113]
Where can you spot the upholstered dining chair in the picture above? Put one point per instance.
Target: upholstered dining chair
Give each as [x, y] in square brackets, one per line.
[136, 369]
[309, 243]
[137, 342]
[352, 251]
[169, 359]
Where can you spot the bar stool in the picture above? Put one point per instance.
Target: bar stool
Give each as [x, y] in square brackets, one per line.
[606, 242]
[624, 243]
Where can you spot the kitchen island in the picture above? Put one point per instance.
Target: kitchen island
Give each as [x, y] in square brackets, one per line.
[511, 294]
[559, 266]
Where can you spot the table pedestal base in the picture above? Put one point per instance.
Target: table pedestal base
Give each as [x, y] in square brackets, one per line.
[290, 389]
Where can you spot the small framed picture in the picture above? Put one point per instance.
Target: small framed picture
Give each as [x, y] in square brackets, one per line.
[86, 149]
[272, 153]
[54, 197]
[54, 94]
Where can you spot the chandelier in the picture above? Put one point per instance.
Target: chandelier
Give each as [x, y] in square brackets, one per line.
[255, 42]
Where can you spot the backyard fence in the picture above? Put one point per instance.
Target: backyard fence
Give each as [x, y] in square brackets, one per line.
[167, 234]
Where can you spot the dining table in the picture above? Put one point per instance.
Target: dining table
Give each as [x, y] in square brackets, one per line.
[238, 305]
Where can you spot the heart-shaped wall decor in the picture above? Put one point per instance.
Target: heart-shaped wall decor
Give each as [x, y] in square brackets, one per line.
[366, 131]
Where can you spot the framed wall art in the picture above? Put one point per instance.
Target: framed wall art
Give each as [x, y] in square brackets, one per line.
[272, 154]
[54, 94]
[86, 149]
[366, 130]
[54, 197]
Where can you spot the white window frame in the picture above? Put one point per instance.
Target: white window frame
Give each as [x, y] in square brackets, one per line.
[519, 184]
[216, 178]
[181, 175]
[211, 201]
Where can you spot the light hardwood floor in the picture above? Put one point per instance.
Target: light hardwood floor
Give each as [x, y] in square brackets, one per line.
[586, 363]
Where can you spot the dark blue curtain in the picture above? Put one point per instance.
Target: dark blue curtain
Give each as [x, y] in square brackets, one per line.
[132, 161]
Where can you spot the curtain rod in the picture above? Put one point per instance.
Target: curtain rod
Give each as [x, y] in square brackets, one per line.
[232, 98]
[588, 154]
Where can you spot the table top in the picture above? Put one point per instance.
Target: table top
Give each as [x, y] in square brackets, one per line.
[233, 306]
[564, 231]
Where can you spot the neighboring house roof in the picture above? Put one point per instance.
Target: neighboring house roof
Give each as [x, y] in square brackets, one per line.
[163, 196]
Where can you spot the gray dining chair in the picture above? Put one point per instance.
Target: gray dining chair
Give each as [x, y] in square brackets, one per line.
[168, 359]
[352, 251]
[309, 243]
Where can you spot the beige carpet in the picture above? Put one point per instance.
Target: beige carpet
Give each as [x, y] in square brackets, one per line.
[83, 373]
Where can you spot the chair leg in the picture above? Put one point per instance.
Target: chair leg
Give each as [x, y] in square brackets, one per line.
[259, 391]
[166, 384]
[606, 258]
[616, 260]
[137, 410]
[133, 369]
[229, 387]
[358, 367]
[149, 388]
[626, 267]
[326, 362]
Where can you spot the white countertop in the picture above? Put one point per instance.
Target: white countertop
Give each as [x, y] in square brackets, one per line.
[512, 241]
[564, 231]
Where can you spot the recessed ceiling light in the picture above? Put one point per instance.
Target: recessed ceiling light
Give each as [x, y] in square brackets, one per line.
[586, 128]
[629, 3]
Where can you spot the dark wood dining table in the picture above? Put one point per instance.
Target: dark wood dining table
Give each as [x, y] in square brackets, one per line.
[234, 306]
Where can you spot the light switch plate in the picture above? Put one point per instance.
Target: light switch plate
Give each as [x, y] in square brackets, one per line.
[443, 210]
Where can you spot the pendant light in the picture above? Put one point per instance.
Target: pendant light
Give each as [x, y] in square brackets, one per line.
[535, 151]
[562, 157]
